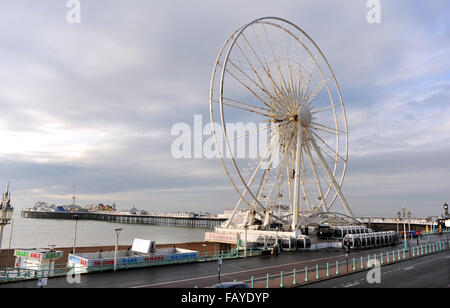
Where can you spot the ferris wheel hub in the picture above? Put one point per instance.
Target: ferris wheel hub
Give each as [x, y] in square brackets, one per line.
[304, 117]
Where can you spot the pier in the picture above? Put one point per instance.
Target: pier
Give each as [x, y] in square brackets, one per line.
[395, 223]
[165, 219]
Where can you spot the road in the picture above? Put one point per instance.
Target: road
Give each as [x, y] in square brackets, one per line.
[432, 271]
[205, 274]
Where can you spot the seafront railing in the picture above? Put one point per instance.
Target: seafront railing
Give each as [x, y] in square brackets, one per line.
[58, 270]
[296, 277]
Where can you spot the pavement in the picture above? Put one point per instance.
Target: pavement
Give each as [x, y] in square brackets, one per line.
[205, 274]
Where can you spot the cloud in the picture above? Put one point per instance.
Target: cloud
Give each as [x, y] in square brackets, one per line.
[92, 104]
[416, 119]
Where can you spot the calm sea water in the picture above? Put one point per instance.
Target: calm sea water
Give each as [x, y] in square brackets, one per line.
[39, 233]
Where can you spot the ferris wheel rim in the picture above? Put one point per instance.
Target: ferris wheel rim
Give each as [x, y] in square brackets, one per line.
[230, 42]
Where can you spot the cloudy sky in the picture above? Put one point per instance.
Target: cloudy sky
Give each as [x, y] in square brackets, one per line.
[92, 104]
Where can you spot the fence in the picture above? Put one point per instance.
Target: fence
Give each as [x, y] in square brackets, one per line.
[306, 275]
[14, 274]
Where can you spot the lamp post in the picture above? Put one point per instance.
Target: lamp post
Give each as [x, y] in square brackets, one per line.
[75, 234]
[51, 249]
[398, 220]
[404, 226]
[245, 242]
[6, 211]
[409, 221]
[11, 233]
[117, 231]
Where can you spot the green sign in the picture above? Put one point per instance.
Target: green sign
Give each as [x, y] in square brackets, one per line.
[53, 255]
[21, 253]
[40, 255]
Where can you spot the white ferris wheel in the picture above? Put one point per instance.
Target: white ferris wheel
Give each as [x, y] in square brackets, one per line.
[270, 72]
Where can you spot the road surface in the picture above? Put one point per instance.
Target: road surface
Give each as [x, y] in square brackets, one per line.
[432, 271]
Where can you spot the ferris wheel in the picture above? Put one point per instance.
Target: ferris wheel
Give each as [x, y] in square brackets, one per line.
[271, 74]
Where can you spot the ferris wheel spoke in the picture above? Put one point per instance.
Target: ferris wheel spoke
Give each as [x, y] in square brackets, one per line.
[299, 85]
[253, 82]
[243, 194]
[303, 69]
[321, 140]
[271, 129]
[300, 75]
[260, 193]
[305, 193]
[322, 109]
[291, 87]
[260, 162]
[296, 38]
[326, 129]
[302, 180]
[310, 98]
[332, 179]
[286, 72]
[313, 166]
[276, 182]
[231, 102]
[251, 132]
[265, 68]
[261, 86]
[334, 161]
[285, 131]
[312, 63]
[255, 94]
[297, 166]
[255, 72]
[279, 33]
[276, 60]
[289, 179]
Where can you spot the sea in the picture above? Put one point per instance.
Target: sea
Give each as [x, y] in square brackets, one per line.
[40, 233]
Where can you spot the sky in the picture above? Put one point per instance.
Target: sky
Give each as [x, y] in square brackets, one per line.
[91, 104]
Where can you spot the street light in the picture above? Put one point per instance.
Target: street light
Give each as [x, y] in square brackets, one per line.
[75, 234]
[11, 233]
[6, 211]
[245, 244]
[115, 249]
[404, 226]
[51, 249]
[409, 221]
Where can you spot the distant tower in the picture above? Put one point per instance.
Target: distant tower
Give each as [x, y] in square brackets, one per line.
[73, 198]
[6, 211]
[6, 198]
[446, 209]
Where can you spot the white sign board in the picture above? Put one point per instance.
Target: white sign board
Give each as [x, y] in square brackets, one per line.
[142, 246]
[221, 237]
[42, 282]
